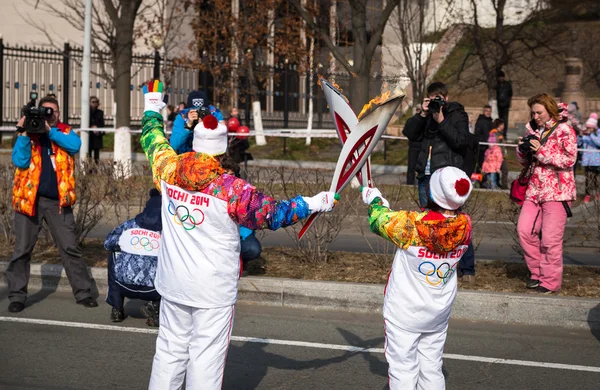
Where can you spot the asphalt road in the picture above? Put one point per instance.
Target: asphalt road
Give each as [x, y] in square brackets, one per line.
[68, 354]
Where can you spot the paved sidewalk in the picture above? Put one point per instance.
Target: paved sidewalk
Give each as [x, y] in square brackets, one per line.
[526, 309]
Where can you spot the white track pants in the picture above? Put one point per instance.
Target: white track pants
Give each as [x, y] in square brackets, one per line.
[415, 359]
[191, 343]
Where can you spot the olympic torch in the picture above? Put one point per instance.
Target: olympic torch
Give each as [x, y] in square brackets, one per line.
[358, 141]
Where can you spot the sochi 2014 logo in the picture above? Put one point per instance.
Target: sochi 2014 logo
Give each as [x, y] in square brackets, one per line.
[435, 276]
[144, 243]
[185, 217]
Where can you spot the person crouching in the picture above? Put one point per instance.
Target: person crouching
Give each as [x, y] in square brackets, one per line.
[422, 283]
[134, 247]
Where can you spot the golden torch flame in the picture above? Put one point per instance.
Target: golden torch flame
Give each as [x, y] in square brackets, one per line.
[374, 103]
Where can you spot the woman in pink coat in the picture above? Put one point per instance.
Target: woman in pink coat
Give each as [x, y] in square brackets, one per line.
[552, 150]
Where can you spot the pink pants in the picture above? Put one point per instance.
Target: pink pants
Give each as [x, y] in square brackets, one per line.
[543, 255]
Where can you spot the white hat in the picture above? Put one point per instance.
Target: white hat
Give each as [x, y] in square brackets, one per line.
[450, 188]
[210, 136]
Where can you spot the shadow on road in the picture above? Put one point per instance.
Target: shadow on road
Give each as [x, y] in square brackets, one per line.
[248, 365]
[50, 281]
[594, 321]
[49, 285]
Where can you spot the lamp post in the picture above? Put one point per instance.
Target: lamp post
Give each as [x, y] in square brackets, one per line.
[157, 43]
[285, 96]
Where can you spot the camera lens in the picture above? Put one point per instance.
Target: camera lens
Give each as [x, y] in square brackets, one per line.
[35, 123]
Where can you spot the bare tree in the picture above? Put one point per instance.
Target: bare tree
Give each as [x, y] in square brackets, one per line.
[365, 44]
[518, 45]
[113, 23]
[411, 24]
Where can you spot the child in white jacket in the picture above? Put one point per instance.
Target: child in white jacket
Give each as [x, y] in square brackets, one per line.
[422, 283]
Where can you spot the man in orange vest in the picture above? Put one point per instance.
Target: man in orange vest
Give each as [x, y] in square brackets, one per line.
[44, 189]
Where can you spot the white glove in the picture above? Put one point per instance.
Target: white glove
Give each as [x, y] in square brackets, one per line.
[369, 194]
[322, 202]
[153, 97]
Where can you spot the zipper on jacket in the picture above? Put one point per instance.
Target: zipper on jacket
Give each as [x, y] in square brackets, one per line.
[558, 179]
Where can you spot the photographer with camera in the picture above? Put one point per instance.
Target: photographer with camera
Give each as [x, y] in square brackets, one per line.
[442, 128]
[186, 119]
[44, 189]
[548, 151]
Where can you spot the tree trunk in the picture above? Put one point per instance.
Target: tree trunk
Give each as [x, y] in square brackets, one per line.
[256, 110]
[359, 91]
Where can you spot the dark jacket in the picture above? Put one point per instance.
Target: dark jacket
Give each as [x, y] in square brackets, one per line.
[96, 119]
[504, 94]
[448, 140]
[237, 149]
[483, 126]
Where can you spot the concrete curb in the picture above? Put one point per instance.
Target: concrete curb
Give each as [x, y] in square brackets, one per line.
[525, 309]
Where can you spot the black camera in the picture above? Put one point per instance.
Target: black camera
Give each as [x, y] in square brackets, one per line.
[202, 113]
[436, 104]
[525, 147]
[35, 117]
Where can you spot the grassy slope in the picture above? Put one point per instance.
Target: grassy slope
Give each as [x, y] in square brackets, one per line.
[545, 74]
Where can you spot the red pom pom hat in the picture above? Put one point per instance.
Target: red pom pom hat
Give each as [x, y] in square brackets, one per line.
[210, 136]
[450, 188]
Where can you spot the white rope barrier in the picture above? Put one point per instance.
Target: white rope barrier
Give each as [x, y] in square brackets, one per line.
[286, 133]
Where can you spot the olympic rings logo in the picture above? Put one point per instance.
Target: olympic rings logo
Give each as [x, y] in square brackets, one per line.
[443, 272]
[183, 217]
[144, 243]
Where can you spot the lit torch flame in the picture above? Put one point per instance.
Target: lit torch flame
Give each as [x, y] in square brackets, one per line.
[374, 102]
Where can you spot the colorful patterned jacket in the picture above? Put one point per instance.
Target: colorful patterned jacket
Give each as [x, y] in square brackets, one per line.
[590, 142]
[27, 156]
[552, 179]
[422, 282]
[199, 259]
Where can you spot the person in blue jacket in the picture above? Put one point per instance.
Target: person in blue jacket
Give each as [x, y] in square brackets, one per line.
[132, 262]
[183, 127]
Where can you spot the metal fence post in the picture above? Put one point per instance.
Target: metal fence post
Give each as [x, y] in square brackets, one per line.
[1, 83]
[66, 82]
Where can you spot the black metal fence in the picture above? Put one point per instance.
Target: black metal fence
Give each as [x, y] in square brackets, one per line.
[284, 101]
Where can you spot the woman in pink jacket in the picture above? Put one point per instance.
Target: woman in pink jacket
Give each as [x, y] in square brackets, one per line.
[551, 146]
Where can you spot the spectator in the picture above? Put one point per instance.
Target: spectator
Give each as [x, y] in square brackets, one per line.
[443, 136]
[44, 190]
[131, 267]
[483, 126]
[414, 148]
[504, 95]
[550, 191]
[183, 126]
[445, 141]
[492, 163]
[471, 127]
[422, 285]
[96, 122]
[590, 140]
[180, 107]
[498, 131]
[575, 116]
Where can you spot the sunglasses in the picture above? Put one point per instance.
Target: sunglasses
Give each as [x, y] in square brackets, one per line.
[94, 101]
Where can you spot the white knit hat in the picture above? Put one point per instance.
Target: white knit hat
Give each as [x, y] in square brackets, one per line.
[450, 188]
[210, 136]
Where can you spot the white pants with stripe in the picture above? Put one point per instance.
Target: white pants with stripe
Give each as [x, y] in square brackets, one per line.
[415, 359]
[192, 343]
